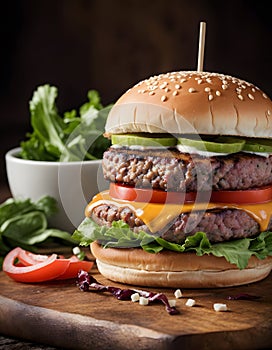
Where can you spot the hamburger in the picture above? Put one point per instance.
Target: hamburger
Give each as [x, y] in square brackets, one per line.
[189, 202]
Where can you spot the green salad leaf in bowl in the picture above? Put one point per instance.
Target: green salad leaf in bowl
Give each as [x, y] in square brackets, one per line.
[74, 136]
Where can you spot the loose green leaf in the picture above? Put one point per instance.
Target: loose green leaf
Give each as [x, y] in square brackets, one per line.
[55, 233]
[10, 208]
[26, 229]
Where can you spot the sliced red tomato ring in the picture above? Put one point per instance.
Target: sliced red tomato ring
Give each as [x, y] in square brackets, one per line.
[40, 268]
[40, 272]
[74, 267]
[74, 258]
[252, 196]
[28, 258]
[134, 194]
[19, 264]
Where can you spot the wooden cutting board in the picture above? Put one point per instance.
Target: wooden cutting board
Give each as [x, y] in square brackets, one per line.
[59, 314]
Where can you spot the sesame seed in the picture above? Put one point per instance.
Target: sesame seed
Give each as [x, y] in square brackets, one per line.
[163, 85]
[166, 89]
[250, 96]
[253, 90]
[151, 93]
[210, 97]
[183, 80]
[175, 93]
[240, 97]
[207, 89]
[264, 95]
[208, 80]
[163, 98]
[199, 81]
[192, 90]
[224, 87]
[177, 86]
[268, 112]
[218, 93]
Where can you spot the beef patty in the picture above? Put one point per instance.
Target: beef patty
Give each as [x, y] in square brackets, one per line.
[219, 226]
[172, 170]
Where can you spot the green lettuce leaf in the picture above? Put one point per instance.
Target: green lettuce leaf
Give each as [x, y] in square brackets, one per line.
[119, 235]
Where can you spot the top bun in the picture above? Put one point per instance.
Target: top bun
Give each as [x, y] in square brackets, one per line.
[189, 102]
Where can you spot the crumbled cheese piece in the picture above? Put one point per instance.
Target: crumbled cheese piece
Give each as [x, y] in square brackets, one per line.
[135, 297]
[76, 250]
[172, 303]
[190, 302]
[178, 293]
[220, 307]
[143, 301]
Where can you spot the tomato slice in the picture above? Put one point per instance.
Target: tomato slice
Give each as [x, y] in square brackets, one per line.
[74, 267]
[42, 267]
[252, 196]
[46, 270]
[134, 194]
[27, 258]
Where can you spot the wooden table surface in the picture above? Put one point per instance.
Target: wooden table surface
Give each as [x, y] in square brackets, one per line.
[59, 314]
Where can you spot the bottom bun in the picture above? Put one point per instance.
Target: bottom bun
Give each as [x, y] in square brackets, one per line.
[170, 269]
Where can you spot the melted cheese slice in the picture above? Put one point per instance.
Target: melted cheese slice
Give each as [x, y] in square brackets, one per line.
[157, 216]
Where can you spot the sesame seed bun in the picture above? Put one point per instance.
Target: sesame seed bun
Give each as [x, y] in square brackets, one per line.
[169, 269]
[193, 102]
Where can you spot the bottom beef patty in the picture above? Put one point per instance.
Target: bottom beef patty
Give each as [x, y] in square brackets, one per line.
[219, 225]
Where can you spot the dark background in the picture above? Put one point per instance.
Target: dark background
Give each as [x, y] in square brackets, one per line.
[79, 45]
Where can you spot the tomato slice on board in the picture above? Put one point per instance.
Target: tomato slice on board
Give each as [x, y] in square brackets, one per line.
[40, 272]
[73, 265]
[27, 258]
[252, 196]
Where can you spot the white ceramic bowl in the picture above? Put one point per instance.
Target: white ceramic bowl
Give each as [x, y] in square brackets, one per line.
[72, 184]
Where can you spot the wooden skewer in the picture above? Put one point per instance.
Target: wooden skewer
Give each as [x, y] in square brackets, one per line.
[201, 46]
